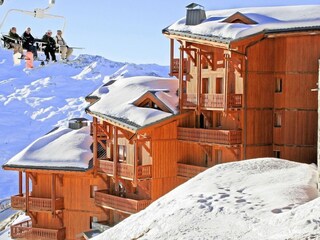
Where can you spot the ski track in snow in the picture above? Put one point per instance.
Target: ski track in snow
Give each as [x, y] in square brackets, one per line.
[33, 102]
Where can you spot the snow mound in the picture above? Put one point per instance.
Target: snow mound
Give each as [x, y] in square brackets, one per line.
[262, 198]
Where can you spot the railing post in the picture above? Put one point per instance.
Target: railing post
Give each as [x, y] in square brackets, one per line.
[53, 194]
[95, 146]
[20, 183]
[27, 193]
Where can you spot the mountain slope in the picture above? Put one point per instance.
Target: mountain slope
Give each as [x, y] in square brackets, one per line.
[32, 102]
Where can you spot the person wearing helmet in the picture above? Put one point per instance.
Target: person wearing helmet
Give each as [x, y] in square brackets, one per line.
[50, 46]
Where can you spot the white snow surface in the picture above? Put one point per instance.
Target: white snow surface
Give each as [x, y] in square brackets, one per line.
[33, 102]
[62, 148]
[116, 99]
[268, 18]
[262, 198]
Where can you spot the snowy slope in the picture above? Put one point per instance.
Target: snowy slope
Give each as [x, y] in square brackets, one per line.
[33, 101]
[254, 199]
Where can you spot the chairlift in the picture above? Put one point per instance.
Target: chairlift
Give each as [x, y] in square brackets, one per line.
[37, 13]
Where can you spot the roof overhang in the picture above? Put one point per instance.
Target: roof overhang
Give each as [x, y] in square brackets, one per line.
[70, 170]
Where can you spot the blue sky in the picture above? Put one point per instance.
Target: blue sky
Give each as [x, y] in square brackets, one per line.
[127, 30]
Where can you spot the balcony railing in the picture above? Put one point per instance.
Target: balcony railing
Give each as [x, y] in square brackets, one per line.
[217, 100]
[125, 170]
[225, 137]
[189, 171]
[189, 100]
[128, 205]
[36, 204]
[26, 231]
[176, 66]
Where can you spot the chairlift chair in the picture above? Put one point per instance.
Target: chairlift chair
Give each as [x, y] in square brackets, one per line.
[37, 13]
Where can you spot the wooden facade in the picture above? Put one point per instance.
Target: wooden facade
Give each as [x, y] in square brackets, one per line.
[251, 97]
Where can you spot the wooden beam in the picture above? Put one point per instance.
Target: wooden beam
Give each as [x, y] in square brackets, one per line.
[210, 61]
[34, 178]
[27, 193]
[20, 183]
[136, 158]
[53, 194]
[34, 217]
[181, 67]
[199, 82]
[60, 178]
[171, 55]
[115, 151]
[95, 147]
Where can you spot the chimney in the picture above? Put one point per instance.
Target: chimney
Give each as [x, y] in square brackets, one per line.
[195, 14]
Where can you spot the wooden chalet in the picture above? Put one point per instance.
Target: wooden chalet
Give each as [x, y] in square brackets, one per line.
[241, 91]
[249, 86]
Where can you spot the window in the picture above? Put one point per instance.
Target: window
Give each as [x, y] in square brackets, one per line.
[93, 190]
[219, 85]
[278, 85]
[122, 152]
[277, 120]
[205, 85]
[276, 154]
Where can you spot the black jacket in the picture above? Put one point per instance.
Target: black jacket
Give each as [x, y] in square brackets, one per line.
[27, 40]
[50, 42]
[14, 36]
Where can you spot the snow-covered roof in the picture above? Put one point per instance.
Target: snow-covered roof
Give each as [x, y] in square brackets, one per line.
[269, 19]
[62, 149]
[116, 100]
[264, 198]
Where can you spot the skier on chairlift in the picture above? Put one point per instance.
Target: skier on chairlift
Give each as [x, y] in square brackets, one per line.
[50, 46]
[28, 43]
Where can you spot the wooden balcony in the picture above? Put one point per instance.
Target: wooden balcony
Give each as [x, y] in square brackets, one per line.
[217, 100]
[127, 205]
[210, 136]
[125, 170]
[211, 101]
[36, 204]
[189, 171]
[176, 65]
[26, 231]
[189, 100]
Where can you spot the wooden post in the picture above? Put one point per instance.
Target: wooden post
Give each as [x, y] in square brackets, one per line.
[95, 146]
[181, 67]
[53, 194]
[115, 154]
[318, 147]
[198, 61]
[136, 156]
[226, 79]
[20, 183]
[171, 55]
[27, 193]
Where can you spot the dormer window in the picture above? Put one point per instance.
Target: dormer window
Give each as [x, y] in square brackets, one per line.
[149, 100]
[238, 17]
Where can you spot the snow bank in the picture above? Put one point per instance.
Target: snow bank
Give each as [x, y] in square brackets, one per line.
[62, 148]
[268, 18]
[254, 199]
[116, 99]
